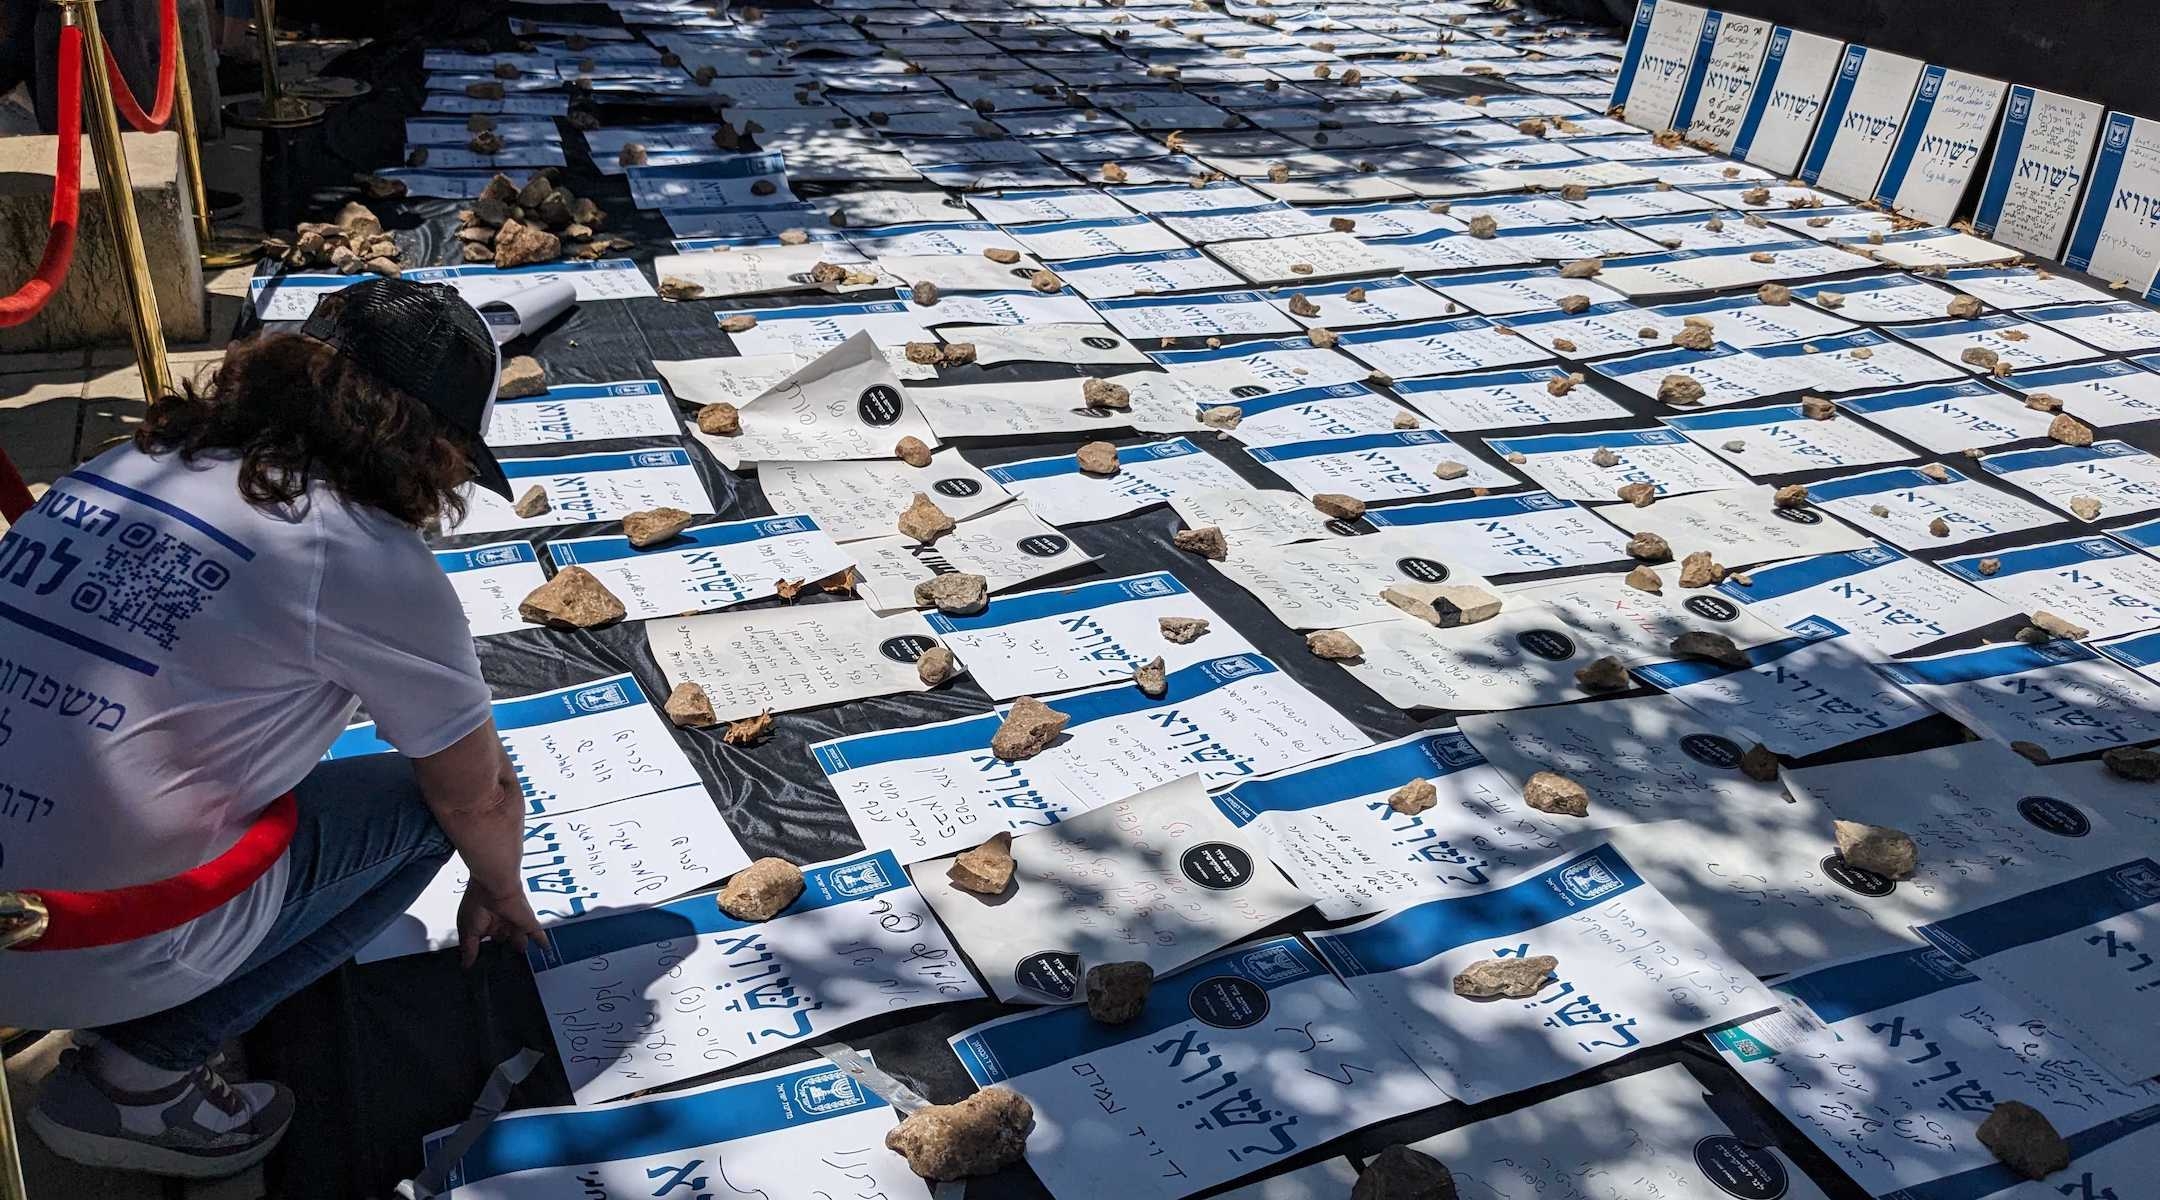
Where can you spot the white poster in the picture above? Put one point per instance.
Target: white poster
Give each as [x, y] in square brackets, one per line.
[807, 1126]
[1938, 151]
[2096, 582]
[1439, 347]
[1901, 506]
[583, 412]
[1161, 878]
[2120, 478]
[2119, 326]
[1526, 655]
[1812, 691]
[2015, 341]
[1606, 998]
[938, 789]
[1058, 639]
[2038, 172]
[1337, 582]
[1783, 439]
[2116, 236]
[1882, 597]
[1661, 46]
[846, 403]
[1949, 417]
[1210, 314]
[783, 659]
[1058, 491]
[1236, 1063]
[1510, 535]
[1380, 466]
[583, 488]
[490, 581]
[1796, 74]
[1007, 547]
[652, 996]
[851, 501]
[707, 566]
[1738, 526]
[1724, 79]
[1506, 400]
[1861, 120]
[1110, 275]
[1329, 826]
[1248, 515]
[1567, 463]
[1637, 626]
[2061, 696]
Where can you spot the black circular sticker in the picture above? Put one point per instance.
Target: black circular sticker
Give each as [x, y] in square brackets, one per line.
[2059, 817]
[1356, 528]
[1424, 570]
[1053, 973]
[1712, 608]
[1044, 545]
[1217, 866]
[1100, 343]
[1853, 879]
[1798, 516]
[906, 648]
[1739, 1169]
[879, 405]
[1246, 391]
[1712, 751]
[1549, 644]
[956, 488]
[1228, 1002]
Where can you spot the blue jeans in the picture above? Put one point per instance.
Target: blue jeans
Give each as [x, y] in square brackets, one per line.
[365, 848]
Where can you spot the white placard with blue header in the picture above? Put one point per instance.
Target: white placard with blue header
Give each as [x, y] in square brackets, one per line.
[1938, 151]
[608, 857]
[1235, 1064]
[2096, 582]
[1712, 231]
[1788, 98]
[1881, 299]
[1565, 463]
[651, 996]
[861, 499]
[1949, 417]
[600, 279]
[809, 330]
[2122, 478]
[1251, 516]
[705, 567]
[1782, 438]
[1450, 250]
[2061, 695]
[1527, 655]
[1727, 375]
[1229, 314]
[1057, 639]
[1910, 503]
[1306, 414]
[1860, 1059]
[2012, 338]
[1857, 362]
[1878, 594]
[1379, 466]
[1507, 400]
[1439, 347]
[937, 789]
[1606, 998]
[1504, 292]
[584, 412]
[1329, 826]
[1721, 84]
[1327, 255]
[1812, 691]
[1162, 878]
[633, 753]
[1513, 534]
[1337, 582]
[1601, 329]
[1111, 275]
[2070, 950]
[1007, 547]
[1047, 204]
[723, 182]
[1657, 1125]
[1738, 526]
[806, 1129]
[490, 581]
[2118, 326]
[2024, 287]
[785, 659]
[1381, 300]
[1058, 491]
[1861, 120]
[1654, 69]
[2038, 171]
[582, 488]
[533, 106]
[747, 226]
[1272, 220]
[2116, 236]
[1638, 626]
[931, 238]
[1944, 248]
[1251, 368]
[1747, 322]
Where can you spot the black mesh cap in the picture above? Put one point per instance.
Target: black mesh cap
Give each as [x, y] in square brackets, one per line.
[424, 340]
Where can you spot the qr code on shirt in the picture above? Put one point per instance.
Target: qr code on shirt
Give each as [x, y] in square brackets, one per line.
[149, 582]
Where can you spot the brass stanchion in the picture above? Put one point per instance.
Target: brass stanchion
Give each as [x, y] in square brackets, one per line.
[215, 251]
[105, 146]
[274, 109]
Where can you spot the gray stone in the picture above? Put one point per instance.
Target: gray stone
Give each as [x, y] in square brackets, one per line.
[955, 593]
[935, 666]
[1152, 679]
[1333, 645]
[654, 526]
[574, 599]
[1446, 605]
[1606, 674]
[1515, 978]
[91, 308]
[1887, 852]
[1413, 797]
[924, 521]
[1710, 647]
[522, 376]
[2133, 763]
[1181, 630]
[689, 707]
[1207, 541]
[985, 870]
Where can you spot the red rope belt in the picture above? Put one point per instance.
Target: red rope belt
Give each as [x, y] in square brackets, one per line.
[80, 920]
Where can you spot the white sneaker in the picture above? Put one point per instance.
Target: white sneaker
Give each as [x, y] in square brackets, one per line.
[199, 1127]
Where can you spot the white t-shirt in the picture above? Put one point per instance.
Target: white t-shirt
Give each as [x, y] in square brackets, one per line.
[172, 659]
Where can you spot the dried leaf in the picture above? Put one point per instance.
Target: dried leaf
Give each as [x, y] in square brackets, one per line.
[788, 589]
[748, 730]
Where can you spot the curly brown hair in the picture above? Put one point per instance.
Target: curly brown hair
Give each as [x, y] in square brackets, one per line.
[296, 412]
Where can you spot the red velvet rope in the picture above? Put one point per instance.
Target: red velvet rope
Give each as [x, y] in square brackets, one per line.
[168, 68]
[28, 300]
[79, 920]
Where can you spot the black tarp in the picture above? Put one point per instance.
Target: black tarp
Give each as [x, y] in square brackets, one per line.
[381, 1055]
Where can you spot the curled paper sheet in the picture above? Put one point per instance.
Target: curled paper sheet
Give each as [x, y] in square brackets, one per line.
[523, 311]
